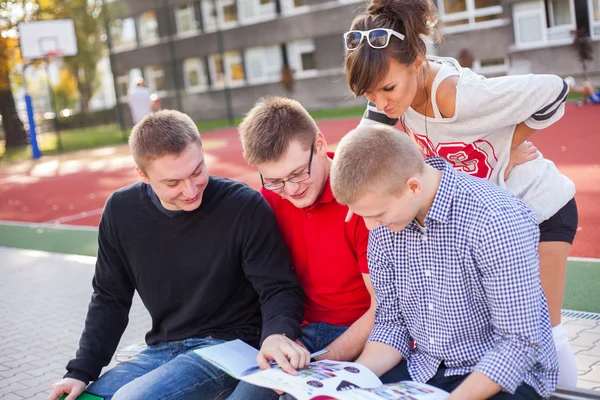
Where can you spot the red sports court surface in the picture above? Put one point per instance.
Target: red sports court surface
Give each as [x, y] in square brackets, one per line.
[72, 189]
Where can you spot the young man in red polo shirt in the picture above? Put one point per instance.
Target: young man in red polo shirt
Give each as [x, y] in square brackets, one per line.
[281, 139]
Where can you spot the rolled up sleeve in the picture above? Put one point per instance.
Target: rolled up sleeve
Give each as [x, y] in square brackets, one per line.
[510, 276]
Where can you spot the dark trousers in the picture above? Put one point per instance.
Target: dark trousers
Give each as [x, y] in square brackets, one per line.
[449, 383]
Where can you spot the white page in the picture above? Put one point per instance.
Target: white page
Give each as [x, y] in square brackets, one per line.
[397, 391]
[234, 357]
[319, 378]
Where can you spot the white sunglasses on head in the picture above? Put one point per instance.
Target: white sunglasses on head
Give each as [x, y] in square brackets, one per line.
[377, 38]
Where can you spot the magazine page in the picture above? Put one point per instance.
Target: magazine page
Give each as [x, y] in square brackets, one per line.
[324, 377]
[234, 357]
[406, 390]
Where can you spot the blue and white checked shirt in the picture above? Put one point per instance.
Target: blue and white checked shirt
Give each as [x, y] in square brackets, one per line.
[465, 287]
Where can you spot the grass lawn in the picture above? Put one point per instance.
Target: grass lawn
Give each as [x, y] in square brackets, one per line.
[107, 135]
[72, 140]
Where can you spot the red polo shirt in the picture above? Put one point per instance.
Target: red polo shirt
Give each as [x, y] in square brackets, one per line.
[329, 256]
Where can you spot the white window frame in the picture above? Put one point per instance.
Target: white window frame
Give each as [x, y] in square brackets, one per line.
[190, 12]
[128, 45]
[221, 4]
[151, 75]
[230, 58]
[271, 71]
[470, 14]
[594, 24]
[129, 80]
[492, 70]
[210, 23]
[288, 8]
[295, 50]
[261, 12]
[562, 30]
[537, 9]
[194, 64]
[146, 38]
[123, 80]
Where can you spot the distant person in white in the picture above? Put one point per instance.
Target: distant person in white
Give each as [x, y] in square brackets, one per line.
[140, 102]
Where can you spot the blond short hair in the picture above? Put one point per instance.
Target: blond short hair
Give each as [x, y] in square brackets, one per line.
[379, 158]
[271, 125]
[161, 133]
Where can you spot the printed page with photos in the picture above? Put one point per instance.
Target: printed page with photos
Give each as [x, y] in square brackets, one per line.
[394, 391]
[319, 378]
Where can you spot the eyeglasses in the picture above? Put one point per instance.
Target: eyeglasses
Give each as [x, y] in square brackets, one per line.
[297, 178]
[377, 38]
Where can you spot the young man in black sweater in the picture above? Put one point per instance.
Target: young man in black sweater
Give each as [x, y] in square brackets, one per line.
[207, 259]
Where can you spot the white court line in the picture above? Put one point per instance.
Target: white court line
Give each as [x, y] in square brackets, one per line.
[48, 226]
[69, 218]
[89, 260]
[584, 259]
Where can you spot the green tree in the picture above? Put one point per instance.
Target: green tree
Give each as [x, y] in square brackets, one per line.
[65, 91]
[14, 130]
[88, 28]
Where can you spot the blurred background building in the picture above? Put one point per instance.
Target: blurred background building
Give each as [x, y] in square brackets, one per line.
[211, 58]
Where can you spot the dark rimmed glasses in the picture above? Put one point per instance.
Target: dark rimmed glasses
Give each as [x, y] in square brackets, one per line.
[377, 38]
[296, 178]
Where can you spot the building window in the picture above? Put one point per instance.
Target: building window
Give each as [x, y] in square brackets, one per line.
[230, 70]
[560, 19]
[256, 10]
[230, 13]
[155, 78]
[542, 22]
[289, 7]
[125, 82]
[193, 74]
[148, 28]
[492, 66]
[461, 15]
[301, 55]
[209, 16]
[185, 20]
[594, 11]
[227, 13]
[263, 64]
[122, 33]
[123, 85]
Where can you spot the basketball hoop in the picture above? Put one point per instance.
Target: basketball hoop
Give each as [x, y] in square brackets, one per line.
[55, 55]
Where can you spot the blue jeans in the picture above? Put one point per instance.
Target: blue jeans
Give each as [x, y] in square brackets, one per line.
[449, 383]
[168, 370]
[314, 336]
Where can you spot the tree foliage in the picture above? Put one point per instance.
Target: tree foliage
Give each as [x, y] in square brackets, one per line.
[83, 66]
[65, 91]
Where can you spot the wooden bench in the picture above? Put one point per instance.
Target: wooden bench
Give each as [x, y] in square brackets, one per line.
[574, 394]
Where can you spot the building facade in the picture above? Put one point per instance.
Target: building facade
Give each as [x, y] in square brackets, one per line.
[195, 57]
[215, 58]
[518, 37]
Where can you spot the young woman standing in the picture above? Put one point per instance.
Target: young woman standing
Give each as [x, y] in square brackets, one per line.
[471, 121]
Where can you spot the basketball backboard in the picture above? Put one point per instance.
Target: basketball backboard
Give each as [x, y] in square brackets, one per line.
[40, 38]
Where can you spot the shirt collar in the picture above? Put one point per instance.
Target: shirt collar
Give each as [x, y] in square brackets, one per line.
[326, 195]
[443, 198]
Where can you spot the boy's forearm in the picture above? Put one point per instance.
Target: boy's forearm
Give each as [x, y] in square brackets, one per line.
[379, 357]
[476, 387]
[350, 344]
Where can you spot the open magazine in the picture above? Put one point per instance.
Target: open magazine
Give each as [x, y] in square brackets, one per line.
[320, 380]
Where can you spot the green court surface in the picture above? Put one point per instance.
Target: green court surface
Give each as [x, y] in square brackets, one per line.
[582, 292]
[56, 240]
